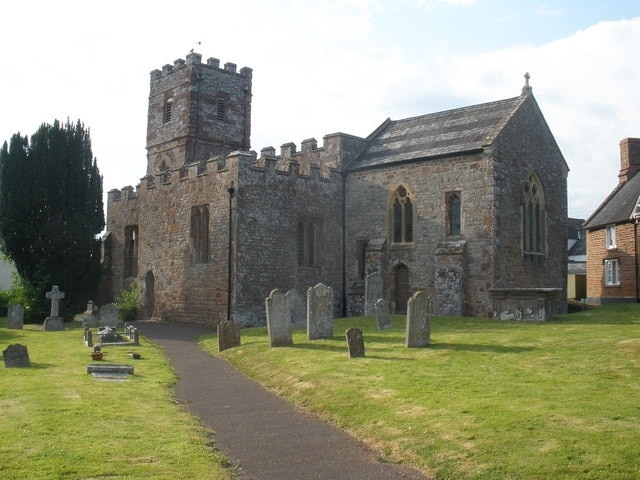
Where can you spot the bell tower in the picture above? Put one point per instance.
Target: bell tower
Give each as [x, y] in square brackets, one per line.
[197, 111]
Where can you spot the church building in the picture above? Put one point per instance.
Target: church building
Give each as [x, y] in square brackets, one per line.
[469, 205]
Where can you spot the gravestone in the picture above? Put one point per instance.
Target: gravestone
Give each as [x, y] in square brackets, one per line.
[108, 316]
[108, 335]
[110, 371]
[296, 308]
[355, 342]
[419, 311]
[373, 290]
[132, 332]
[88, 337]
[15, 316]
[54, 323]
[278, 322]
[89, 318]
[16, 355]
[319, 312]
[228, 335]
[383, 316]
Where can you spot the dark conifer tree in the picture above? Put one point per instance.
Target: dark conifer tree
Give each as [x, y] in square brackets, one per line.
[51, 212]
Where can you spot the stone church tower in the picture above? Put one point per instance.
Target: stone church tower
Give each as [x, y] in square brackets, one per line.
[197, 111]
[469, 205]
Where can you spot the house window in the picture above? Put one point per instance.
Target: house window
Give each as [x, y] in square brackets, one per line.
[453, 213]
[167, 111]
[612, 272]
[221, 105]
[611, 237]
[130, 251]
[401, 216]
[533, 217]
[306, 243]
[200, 234]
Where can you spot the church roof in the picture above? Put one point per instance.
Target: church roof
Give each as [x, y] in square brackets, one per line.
[439, 134]
[618, 207]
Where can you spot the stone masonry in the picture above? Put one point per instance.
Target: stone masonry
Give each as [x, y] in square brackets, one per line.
[322, 214]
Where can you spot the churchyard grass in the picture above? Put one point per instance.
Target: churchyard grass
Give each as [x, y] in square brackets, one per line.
[486, 400]
[58, 422]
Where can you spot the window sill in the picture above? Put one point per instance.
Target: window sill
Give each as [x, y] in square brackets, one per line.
[402, 246]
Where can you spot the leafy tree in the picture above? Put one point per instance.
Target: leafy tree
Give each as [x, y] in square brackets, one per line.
[51, 213]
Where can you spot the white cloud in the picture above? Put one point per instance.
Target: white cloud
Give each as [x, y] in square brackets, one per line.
[587, 88]
[319, 67]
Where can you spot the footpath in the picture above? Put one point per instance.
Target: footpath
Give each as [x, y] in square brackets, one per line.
[265, 436]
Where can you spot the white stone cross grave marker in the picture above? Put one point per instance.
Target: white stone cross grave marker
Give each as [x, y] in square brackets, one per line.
[55, 295]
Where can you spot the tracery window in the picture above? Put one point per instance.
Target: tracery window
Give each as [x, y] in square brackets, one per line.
[401, 216]
[533, 217]
[200, 234]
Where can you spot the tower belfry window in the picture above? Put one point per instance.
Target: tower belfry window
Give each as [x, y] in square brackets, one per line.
[221, 106]
[168, 111]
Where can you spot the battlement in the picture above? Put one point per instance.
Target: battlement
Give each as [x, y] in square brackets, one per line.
[195, 60]
[337, 150]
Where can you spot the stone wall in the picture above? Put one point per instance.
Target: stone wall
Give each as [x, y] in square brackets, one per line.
[274, 194]
[183, 291]
[195, 133]
[490, 185]
[366, 206]
[526, 146]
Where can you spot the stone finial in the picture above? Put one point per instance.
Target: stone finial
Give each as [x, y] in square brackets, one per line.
[526, 90]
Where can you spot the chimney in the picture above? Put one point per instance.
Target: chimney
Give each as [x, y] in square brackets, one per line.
[629, 158]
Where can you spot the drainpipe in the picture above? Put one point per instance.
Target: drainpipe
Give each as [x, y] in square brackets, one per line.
[231, 191]
[344, 245]
[635, 256]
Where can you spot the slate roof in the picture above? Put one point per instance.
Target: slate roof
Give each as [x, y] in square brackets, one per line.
[618, 207]
[574, 226]
[439, 134]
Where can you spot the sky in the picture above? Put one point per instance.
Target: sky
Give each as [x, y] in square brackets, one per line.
[327, 66]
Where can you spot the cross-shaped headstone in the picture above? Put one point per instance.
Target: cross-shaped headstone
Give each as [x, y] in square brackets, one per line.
[55, 295]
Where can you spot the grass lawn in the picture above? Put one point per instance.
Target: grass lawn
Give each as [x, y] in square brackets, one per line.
[58, 422]
[486, 400]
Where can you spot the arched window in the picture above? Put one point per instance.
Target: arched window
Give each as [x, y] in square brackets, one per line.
[454, 226]
[401, 216]
[533, 216]
[200, 234]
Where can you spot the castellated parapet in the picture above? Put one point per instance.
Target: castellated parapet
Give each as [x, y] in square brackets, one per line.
[282, 192]
[197, 111]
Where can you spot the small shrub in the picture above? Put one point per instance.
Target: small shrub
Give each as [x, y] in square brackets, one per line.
[23, 293]
[4, 301]
[128, 303]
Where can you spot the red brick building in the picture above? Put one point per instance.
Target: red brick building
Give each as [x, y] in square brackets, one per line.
[469, 205]
[612, 236]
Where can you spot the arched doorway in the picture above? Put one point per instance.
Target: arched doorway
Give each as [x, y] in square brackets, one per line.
[401, 284]
[149, 294]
